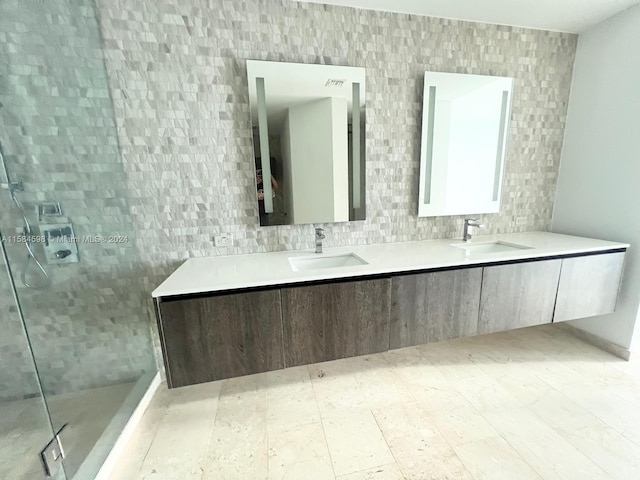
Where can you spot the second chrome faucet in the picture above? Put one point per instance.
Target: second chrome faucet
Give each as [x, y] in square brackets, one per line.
[319, 237]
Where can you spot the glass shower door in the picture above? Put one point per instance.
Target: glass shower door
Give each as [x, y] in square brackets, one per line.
[25, 425]
[70, 236]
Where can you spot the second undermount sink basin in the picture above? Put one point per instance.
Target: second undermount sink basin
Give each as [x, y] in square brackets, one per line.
[490, 247]
[328, 261]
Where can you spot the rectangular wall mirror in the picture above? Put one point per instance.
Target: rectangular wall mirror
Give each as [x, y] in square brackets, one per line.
[308, 126]
[464, 128]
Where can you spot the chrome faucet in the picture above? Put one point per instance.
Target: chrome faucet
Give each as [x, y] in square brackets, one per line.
[319, 237]
[468, 223]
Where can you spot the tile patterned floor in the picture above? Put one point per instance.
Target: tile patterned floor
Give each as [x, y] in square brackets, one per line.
[535, 403]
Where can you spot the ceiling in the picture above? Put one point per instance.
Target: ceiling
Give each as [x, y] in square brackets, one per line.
[559, 15]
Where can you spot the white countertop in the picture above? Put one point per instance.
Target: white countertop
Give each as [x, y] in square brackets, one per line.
[211, 274]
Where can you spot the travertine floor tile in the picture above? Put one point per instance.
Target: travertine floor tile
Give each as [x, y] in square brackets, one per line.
[383, 472]
[528, 404]
[299, 453]
[542, 447]
[181, 443]
[493, 458]
[606, 447]
[417, 445]
[336, 389]
[460, 423]
[355, 443]
[237, 450]
[290, 398]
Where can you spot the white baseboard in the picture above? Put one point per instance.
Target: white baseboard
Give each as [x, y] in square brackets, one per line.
[128, 430]
[599, 342]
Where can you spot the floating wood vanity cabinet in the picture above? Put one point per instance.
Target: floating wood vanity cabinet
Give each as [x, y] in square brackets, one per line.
[588, 286]
[238, 330]
[518, 295]
[434, 306]
[336, 320]
[222, 336]
[211, 338]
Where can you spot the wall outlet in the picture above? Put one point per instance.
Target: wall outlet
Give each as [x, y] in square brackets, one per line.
[223, 240]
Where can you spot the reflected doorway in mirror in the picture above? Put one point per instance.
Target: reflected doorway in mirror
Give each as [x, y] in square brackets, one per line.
[310, 121]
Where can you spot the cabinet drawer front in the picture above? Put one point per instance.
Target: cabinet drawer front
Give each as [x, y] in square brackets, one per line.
[588, 286]
[518, 295]
[432, 307]
[220, 337]
[338, 320]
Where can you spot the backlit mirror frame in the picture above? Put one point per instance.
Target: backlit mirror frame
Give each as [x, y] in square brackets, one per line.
[275, 90]
[465, 121]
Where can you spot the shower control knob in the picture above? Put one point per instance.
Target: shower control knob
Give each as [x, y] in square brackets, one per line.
[59, 243]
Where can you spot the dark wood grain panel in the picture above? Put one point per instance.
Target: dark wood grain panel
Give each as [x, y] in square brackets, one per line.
[588, 286]
[224, 336]
[432, 307]
[339, 320]
[518, 295]
[360, 324]
[304, 310]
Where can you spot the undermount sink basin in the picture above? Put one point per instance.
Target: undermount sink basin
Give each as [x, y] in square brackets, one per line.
[329, 261]
[490, 247]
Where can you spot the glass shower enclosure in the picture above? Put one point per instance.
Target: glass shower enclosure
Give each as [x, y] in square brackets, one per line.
[76, 353]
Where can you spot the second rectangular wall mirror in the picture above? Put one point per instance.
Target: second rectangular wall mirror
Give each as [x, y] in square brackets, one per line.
[309, 121]
[464, 130]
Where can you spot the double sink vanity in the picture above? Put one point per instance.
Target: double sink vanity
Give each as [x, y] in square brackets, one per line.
[227, 316]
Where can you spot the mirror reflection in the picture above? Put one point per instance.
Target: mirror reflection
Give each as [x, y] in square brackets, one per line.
[309, 122]
[464, 127]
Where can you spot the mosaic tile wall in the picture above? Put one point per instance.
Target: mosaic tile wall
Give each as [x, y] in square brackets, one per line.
[57, 127]
[178, 79]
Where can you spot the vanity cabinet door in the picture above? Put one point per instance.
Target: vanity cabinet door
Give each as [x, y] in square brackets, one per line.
[223, 336]
[588, 286]
[432, 307]
[337, 320]
[518, 295]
